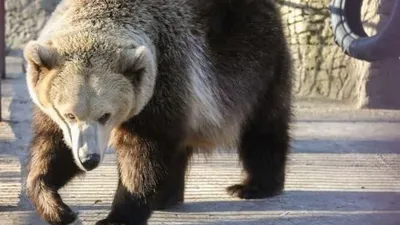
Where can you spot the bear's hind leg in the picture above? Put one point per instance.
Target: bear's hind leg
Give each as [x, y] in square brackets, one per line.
[50, 167]
[263, 152]
[265, 143]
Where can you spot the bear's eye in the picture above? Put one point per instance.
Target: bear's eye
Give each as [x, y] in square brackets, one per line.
[104, 118]
[70, 116]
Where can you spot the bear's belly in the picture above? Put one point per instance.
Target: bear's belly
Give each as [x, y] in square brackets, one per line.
[209, 136]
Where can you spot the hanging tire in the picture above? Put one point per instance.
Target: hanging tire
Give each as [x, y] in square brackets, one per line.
[349, 33]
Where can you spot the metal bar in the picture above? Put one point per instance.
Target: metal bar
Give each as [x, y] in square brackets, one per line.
[2, 49]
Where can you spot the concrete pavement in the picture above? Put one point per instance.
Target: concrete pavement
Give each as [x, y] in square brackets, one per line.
[344, 170]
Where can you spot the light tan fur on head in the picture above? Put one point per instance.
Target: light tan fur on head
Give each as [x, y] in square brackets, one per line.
[41, 61]
[89, 77]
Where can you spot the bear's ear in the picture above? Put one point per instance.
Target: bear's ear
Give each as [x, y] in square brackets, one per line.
[136, 60]
[139, 66]
[40, 60]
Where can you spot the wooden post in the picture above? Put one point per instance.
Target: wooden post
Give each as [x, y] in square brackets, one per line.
[2, 47]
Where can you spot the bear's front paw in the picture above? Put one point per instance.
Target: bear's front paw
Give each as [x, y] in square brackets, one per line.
[111, 222]
[245, 191]
[48, 203]
[59, 215]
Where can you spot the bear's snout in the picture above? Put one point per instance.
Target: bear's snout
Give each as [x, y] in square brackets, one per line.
[91, 161]
[89, 143]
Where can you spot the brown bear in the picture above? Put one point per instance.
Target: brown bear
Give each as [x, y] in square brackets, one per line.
[156, 81]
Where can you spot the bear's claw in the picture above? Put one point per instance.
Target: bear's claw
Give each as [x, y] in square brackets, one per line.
[251, 192]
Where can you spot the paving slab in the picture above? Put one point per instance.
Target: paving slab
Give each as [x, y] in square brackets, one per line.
[344, 169]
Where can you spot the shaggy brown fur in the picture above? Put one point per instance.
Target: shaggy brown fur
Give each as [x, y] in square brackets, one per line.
[50, 167]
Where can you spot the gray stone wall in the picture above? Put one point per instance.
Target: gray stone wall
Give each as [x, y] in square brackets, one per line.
[320, 66]
[24, 19]
[322, 69]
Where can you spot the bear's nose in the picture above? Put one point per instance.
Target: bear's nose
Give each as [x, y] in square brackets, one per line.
[91, 161]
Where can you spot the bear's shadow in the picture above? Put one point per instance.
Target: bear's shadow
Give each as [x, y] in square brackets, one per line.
[298, 207]
[292, 207]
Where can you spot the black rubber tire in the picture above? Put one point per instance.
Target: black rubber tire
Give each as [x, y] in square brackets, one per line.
[349, 33]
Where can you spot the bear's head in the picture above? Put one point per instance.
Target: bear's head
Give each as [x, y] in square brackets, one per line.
[89, 88]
